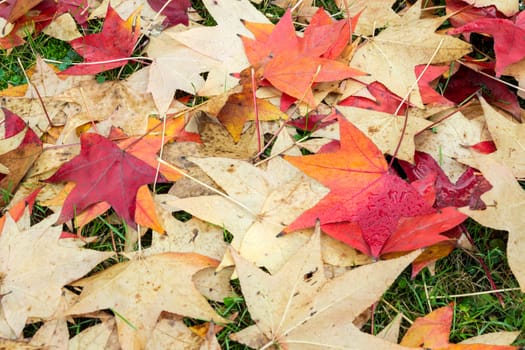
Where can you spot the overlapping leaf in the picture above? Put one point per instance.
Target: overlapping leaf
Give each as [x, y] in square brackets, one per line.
[368, 206]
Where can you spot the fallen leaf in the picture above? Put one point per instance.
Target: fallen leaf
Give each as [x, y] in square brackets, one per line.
[35, 265]
[507, 136]
[505, 32]
[297, 305]
[113, 101]
[368, 205]
[444, 142]
[465, 192]
[153, 284]
[469, 81]
[172, 333]
[260, 204]
[104, 172]
[293, 64]
[505, 201]
[99, 336]
[432, 331]
[221, 42]
[508, 7]
[109, 48]
[192, 236]
[384, 100]
[175, 67]
[373, 14]
[390, 56]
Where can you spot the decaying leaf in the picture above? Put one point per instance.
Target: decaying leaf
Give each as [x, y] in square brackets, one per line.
[139, 290]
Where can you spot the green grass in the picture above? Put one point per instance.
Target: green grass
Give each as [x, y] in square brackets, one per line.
[458, 273]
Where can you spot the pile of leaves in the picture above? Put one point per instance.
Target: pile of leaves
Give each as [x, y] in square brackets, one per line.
[313, 159]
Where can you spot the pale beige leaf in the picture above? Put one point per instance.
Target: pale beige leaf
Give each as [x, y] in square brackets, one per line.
[375, 14]
[298, 308]
[35, 265]
[222, 43]
[192, 236]
[517, 70]
[174, 67]
[127, 108]
[509, 138]
[391, 331]
[54, 332]
[172, 333]
[100, 336]
[446, 141]
[63, 28]
[269, 202]
[213, 284]
[339, 254]
[390, 57]
[139, 290]
[505, 206]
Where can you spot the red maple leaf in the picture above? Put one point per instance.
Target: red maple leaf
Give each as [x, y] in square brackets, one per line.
[369, 207]
[385, 100]
[468, 81]
[506, 33]
[103, 172]
[115, 42]
[292, 63]
[466, 191]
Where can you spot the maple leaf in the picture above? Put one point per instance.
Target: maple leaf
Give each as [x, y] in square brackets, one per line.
[505, 201]
[390, 56]
[103, 172]
[432, 332]
[157, 283]
[368, 206]
[507, 136]
[373, 14]
[115, 42]
[35, 265]
[116, 102]
[292, 63]
[261, 204]
[298, 306]
[468, 81]
[220, 43]
[506, 33]
[465, 192]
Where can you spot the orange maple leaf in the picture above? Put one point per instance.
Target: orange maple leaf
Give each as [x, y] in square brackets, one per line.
[292, 63]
